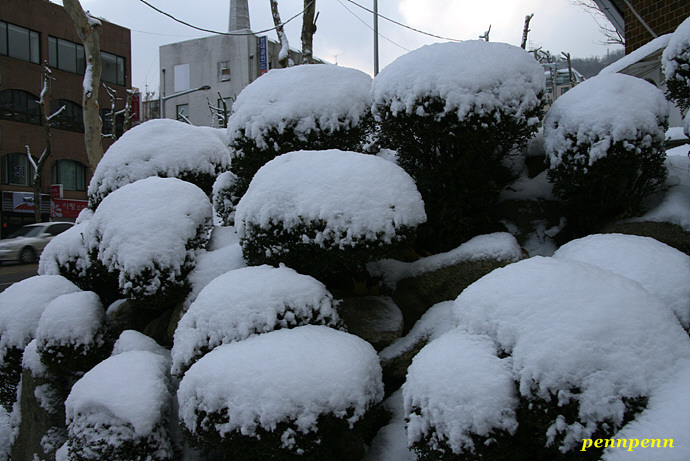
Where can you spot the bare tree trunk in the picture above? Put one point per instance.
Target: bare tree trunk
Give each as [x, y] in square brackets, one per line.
[571, 77]
[284, 56]
[486, 34]
[128, 111]
[308, 31]
[525, 31]
[88, 29]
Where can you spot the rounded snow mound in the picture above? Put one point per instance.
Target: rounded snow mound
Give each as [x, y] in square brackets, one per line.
[130, 340]
[65, 249]
[660, 269]
[356, 196]
[457, 387]
[71, 320]
[322, 96]
[474, 76]
[604, 110]
[578, 333]
[249, 301]
[675, 61]
[157, 237]
[22, 304]
[284, 376]
[162, 147]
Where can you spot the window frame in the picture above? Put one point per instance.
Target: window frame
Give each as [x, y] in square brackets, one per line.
[78, 183]
[33, 43]
[4, 167]
[31, 114]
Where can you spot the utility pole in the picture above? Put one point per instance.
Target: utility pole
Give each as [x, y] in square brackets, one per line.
[376, 37]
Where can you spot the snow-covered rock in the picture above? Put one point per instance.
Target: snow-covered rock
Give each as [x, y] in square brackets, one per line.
[659, 268]
[161, 147]
[246, 302]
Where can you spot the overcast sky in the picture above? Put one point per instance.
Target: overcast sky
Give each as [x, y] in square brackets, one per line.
[558, 25]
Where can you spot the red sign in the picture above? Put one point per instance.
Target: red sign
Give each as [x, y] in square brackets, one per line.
[64, 208]
[136, 97]
[56, 191]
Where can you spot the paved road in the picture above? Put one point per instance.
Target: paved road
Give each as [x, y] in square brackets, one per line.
[11, 273]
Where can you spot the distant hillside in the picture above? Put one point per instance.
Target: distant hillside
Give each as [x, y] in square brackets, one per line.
[589, 67]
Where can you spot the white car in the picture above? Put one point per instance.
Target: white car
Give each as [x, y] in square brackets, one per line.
[27, 243]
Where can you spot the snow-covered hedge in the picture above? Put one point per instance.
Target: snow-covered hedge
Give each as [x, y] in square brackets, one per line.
[146, 234]
[225, 198]
[298, 108]
[585, 347]
[21, 306]
[326, 212]
[66, 255]
[281, 394]
[246, 302]
[605, 144]
[675, 63]
[453, 112]
[71, 334]
[162, 147]
[120, 410]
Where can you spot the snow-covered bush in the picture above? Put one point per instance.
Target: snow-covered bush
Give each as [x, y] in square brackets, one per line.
[675, 63]
[149, 248]
[660, 269]
[21, 306]
[120, 410]
[225, 198]
[162, 147]
[298, 108]
[66, 255]
[605, 144]
[326, 212]
[586, 347]
[71, 334]
[246, 302]
[281, 394]
[131, 340]
[454, 112]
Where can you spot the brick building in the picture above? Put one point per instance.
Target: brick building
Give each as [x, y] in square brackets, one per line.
[33, 32]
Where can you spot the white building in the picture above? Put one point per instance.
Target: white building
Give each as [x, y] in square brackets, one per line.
[224, 63]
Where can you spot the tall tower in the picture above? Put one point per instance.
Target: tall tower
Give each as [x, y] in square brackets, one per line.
[239, 15]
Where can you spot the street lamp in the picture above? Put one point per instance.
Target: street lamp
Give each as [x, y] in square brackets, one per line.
[181, 93]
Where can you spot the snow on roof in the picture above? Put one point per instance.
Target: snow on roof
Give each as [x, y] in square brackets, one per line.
[71, 320]
[471, 76]
[356, 195]
[22, 304]
[639, 54]
[159, 147]
[458, 387]
[249, 301]
[571, 326]
[128, 388]
[660, 269]
[601, 111]
[285, 375]
[320, 96]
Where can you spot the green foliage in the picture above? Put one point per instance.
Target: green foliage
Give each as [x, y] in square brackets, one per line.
[459, 166]
[678, 85]
[10, 373]
[73, 358]
[613, 186]
[225, 198]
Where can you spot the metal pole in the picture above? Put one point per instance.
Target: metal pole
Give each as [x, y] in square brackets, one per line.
[161, 107]
[376, 38]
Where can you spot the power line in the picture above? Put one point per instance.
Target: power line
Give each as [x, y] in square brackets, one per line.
[223, 33]
[365, 23]
[401, 24]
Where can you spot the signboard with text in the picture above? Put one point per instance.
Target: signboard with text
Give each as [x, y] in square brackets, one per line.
[263, 55]
[65, 208]
[56, 191]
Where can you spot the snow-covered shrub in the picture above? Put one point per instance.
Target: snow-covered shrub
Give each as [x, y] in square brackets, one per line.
[675, 63]
[298, 108]
[281, 394]
[148, 248]
[246, 302]
[71, 334]
[454, 112]
[326, 212]
[605, 144]
[162, 147]
[660, 269]
[225, 198]
[21, 306]
[131, 340]
[586, 347]
[120, 410]
[66, 255]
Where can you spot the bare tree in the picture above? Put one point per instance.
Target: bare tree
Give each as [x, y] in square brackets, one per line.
[525, 31]
[486, 34]
[112, 94]
[284, 55]
[88, 29]
[128, 109]
[611, 35]
[219, 113]
[308, 31]
[571, 76]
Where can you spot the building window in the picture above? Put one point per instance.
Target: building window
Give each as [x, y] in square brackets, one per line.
[19, 106]
[224, 71]
[19, 43]
[182, 112]
[107, 118]
[16, 170]
[69, 56]
[71, 118]
[70, 173]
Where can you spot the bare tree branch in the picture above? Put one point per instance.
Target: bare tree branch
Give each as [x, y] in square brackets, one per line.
[525, 31]
[284, 55]
[308, 31]
[611, 35]
[486, 34]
